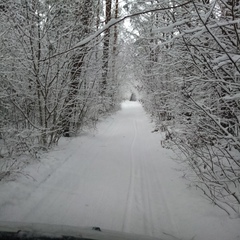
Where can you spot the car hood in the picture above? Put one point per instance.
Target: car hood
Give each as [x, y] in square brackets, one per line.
[49, 231]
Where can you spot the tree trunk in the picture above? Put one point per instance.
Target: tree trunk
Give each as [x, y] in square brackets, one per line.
[85, 14]
[106, 45]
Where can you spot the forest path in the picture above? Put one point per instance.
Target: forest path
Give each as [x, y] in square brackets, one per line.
[118, 179]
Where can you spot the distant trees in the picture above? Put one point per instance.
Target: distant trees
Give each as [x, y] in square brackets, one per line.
[48, 86]
[188, 61]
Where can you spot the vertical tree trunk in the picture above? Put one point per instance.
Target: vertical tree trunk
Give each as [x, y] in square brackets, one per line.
[115, 28]
[98, 15]
[85, 14]
[106, 45]
[115, 41]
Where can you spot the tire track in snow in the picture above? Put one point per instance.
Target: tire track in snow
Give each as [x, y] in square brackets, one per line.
[143, 196]
[138, 205]
[151, 209]
[129, 202]
[170, 216]
[146, 187]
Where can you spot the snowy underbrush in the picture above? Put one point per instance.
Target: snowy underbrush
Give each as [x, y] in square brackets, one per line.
[208, 153]
[212, 167]
[17, 149]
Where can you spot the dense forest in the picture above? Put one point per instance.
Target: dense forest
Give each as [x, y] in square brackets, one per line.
[63, 64]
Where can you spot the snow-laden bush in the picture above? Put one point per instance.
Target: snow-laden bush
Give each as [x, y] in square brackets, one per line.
[190, 85]
[53, 83]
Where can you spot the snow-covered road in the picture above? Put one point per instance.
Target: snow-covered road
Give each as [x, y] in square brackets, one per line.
[119, 179]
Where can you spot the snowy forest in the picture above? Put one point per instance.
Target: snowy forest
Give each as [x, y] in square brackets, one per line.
[64, 64]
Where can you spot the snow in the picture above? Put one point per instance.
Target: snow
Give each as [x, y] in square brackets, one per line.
[234, 97]
[226, 59]
[170, 27]
[118, 178]
[97, 33]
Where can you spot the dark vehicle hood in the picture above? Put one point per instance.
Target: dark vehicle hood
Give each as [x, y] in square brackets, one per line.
[15, 230]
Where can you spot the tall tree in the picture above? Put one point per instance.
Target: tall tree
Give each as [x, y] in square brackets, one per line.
[84, 15]
[106, 45]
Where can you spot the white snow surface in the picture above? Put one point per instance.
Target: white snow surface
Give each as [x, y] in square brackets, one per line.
[118, 178]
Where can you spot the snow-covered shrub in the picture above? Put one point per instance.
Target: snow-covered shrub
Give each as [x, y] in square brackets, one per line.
[189, 70]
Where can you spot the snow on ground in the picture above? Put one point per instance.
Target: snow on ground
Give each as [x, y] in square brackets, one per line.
[118, 178]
